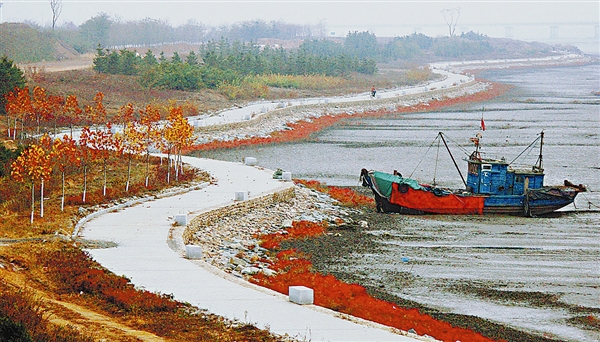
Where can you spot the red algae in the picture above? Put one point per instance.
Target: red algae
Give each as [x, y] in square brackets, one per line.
[298, 230]
[345, 196]
[295, 269]
[302, 130]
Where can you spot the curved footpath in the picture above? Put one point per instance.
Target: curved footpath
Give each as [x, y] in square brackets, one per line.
[143, 255]
[254, 110]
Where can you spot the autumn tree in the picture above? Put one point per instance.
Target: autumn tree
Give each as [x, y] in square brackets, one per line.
[72, 112]
[86, 156]
[31, 166]
[56, 105]
[19, 108]
[132, 144]
[41, 107]
[126, 115]
[103, 144]
[97, 113]
[63, 155]
[178, 134]
[149, 122]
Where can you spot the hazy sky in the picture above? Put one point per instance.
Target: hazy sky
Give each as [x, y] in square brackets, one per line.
[570, 19]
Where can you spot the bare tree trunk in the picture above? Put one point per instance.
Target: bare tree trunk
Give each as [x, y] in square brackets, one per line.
[62, 201]
[104, 171]
[42, 199]
[84, 182]
[128, 174]
[32, 200]
[148, 166]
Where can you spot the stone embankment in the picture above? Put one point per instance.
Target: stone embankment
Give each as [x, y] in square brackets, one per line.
[263, 124]
[229, 236]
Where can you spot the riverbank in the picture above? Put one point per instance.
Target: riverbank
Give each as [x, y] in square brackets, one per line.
[424, 238]
[224, 213]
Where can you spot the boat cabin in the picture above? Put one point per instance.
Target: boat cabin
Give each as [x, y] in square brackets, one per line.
[497, 177]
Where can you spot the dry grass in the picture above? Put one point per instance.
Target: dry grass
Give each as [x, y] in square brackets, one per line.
[28, 269]
[63, 295]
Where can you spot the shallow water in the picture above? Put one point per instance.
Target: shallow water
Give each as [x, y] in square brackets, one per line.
[555, 256]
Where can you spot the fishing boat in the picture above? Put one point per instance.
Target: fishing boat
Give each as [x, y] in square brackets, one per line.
[493, 186]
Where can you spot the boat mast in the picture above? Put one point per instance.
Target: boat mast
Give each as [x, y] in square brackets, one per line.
[539, 164]
[451, 156]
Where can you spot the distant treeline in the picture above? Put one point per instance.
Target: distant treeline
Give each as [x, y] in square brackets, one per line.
[222, 61]
[106, 31]
[31, 43]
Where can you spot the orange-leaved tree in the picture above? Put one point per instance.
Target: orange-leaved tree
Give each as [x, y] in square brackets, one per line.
[97, 113]
[72, 112]
[125, 115]
[86, 156]
[149, 118]
[18, 107]
[103, 144]
[41, 107]
[64, 155]
[178, 135]
[132, 143]
[31, 166]
[56, 105]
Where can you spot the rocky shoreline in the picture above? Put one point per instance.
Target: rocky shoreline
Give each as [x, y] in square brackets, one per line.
[277, 120]
[230, 236]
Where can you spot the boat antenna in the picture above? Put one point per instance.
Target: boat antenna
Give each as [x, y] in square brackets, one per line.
[451, 156]
[528, 147]
[539, 164]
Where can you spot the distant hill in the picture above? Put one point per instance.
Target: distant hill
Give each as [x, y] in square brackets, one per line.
[24, 44]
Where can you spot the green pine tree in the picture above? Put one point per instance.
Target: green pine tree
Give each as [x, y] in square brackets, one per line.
[10, 77]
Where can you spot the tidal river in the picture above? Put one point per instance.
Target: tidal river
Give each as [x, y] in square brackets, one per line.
[539, 275]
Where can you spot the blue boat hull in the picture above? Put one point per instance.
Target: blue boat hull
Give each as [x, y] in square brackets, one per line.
[528, 205]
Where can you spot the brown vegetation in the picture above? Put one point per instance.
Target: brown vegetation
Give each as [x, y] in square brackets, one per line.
[63, 295]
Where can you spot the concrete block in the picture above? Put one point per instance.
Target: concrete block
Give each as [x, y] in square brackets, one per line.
[241, 196]
[193, 252]
[286, 176]
[251, 161]
[181, 219]
[301, 295]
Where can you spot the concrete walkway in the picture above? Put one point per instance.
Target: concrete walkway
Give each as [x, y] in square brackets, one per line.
[144, 256]
[254, 110]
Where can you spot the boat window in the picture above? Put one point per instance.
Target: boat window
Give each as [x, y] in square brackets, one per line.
[473, 169]
[519, 179]
[486, 167]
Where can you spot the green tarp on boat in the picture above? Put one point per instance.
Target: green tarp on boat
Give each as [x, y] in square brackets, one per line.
[385, 180]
